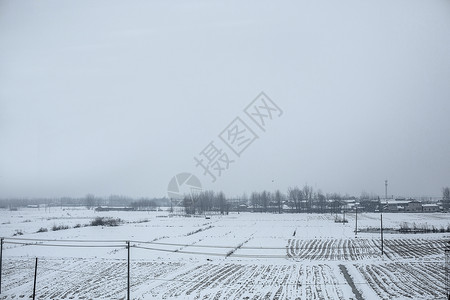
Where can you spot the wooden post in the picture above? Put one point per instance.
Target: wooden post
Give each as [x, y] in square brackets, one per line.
[356, 219]
[382, 241]
[35, 276]
[128, 267]
[1, 260]
[447, 271]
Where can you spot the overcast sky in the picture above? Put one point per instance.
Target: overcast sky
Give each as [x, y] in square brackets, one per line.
[117, 97]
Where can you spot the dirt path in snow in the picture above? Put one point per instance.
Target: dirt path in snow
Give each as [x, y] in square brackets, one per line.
[350, 282]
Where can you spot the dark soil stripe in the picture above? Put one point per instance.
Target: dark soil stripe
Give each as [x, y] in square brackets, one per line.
[350, 282]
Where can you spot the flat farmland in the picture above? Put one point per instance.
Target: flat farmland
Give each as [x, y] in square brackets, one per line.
[237, 256]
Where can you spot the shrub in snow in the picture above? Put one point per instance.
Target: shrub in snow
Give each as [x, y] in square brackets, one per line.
[103, 221]
[42, 229]
[18, 232]
[59, 227]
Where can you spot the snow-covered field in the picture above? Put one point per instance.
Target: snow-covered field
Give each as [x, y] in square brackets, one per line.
[239, 256]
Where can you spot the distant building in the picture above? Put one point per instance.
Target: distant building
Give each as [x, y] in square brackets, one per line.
[242, 207]
[103, 208]
[395, 206]
[349, 205]
[413, 206]
[430, 208]
[410, 205]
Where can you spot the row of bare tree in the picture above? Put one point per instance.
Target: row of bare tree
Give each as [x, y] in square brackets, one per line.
[206, 201]
[295, 200]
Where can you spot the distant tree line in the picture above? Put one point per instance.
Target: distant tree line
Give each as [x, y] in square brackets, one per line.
[89, 201]
[206, 201]
[295, 200]
[298, 200]
[144, 204]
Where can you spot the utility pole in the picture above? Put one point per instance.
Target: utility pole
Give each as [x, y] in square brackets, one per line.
[385, 190]
[356, 219]
[1, 260]
[447, 271]
[128, 267]
[381, 209]
[35, 276]
[382, 241]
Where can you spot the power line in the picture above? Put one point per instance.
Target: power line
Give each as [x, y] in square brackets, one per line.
[68, 240]
[318, 256]
[63, 245]
[284, 247]
[319, 247]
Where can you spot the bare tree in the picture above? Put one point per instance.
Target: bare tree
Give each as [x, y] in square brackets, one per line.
[369, 202]
[446, 198]
[278, 200]
[296, 196]
[292, 197]
[254, 199]
[308, 194]
[265, 200]
[188, 204]
[335, 202]
[222, 203]
[322, 201]
[244, 199]
[89, 201]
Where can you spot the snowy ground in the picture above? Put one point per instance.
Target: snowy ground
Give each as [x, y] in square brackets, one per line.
[239, 256]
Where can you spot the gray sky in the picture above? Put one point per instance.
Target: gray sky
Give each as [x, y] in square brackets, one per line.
[117, 97]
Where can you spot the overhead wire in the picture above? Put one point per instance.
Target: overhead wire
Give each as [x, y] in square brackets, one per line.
[65, 245]
[292, 254]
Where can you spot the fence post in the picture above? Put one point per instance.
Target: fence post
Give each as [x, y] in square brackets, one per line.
[382, 240]
[1, 261]
[128, 267]
[35, 275]
[447, 271]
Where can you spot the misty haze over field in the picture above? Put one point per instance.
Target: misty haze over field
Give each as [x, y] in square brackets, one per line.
[115, 97]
